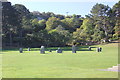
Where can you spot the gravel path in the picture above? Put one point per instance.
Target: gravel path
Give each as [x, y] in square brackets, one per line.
[114, 68]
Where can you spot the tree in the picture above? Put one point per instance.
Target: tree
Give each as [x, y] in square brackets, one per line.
[72, 23]
[23, 11]
[42, 24]
[52, 23]
[116, 11]
[98, 33]
[66, 35]
[10, 20]
[38, 25]
[57, 38]
[101, 14]
[24, 16]
[85, 32]
[60, 16]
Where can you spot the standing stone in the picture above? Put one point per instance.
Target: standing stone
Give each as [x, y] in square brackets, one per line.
[42, 50]
[73, 49]
[21, 50]
[89, 48]
[59, 50]
[28, 49]
[104, 41]
[109, 40]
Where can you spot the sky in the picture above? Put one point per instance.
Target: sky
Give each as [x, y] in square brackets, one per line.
[78, 7]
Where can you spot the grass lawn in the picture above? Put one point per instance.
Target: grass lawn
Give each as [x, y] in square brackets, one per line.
[83, 64]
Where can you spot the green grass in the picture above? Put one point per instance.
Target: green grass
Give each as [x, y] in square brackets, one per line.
[83, 64]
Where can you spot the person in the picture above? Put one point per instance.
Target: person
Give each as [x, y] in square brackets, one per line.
[97, 49]
[100, 49]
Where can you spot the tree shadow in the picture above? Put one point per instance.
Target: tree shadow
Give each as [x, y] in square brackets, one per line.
[79, 48]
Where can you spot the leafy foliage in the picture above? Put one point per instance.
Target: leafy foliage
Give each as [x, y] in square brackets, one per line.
[22, 28]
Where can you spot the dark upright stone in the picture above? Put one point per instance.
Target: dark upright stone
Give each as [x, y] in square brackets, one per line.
[73, 49]
[59, 50]
[89, 48]
[28, 49]
[21, 50]
[42, 50]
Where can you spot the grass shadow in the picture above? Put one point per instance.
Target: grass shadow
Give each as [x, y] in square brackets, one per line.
[79, 48]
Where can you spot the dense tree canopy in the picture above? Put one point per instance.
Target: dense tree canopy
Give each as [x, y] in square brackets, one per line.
[116, 11]
[22, 28]
[101, 14]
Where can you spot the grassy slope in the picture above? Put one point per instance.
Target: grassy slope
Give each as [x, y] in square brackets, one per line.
[0, 66]
[84, 64]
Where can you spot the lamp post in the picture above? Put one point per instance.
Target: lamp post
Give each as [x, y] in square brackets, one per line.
[67, 13]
